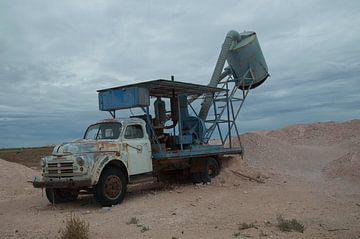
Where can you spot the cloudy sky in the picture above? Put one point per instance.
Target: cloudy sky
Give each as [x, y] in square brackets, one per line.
[54, 55]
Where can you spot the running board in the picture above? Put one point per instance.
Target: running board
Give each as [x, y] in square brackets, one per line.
[142, 178]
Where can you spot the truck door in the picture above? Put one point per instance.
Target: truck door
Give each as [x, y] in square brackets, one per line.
[137, 144]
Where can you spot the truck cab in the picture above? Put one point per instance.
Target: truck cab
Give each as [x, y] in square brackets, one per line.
[102, 161]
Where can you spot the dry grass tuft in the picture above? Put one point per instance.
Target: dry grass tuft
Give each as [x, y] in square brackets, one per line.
[133, 220]
[75, 228]
[244, 226]
[286, 225]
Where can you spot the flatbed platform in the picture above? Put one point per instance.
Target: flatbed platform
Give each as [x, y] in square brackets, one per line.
[197, 151]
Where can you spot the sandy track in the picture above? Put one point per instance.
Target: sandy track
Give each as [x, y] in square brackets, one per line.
[304, 179]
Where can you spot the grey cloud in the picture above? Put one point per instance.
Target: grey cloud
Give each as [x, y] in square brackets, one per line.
[55, 55]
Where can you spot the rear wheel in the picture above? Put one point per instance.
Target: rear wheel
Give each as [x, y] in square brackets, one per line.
[111, 188]
[57, 195]
[209, 169]
[213, 168]
[196, 177]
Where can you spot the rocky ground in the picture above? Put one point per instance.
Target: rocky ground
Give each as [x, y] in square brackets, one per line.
[311, 173]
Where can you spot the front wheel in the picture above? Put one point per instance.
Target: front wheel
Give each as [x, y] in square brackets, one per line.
[111, 188]
[57, 195]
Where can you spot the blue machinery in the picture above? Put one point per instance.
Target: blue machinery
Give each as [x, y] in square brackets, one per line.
[190, 130]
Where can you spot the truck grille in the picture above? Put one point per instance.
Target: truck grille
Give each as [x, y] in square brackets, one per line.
[57, 169]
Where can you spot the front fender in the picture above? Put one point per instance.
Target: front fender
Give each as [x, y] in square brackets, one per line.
[102, 161]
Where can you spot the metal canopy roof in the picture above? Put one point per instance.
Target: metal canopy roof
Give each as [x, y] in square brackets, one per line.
[165, 88]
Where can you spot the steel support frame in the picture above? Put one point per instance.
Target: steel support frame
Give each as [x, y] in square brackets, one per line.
[225, 110]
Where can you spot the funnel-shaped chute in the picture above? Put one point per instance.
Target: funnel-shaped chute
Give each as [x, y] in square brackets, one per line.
[246, 61]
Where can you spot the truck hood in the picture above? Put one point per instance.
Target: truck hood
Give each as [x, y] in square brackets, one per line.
[85, 146]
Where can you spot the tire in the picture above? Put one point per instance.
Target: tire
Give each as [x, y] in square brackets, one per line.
[196, 177]
[57, 195]
[111, 188]
[211, 170]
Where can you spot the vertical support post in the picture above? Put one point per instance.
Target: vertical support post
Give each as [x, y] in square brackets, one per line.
[112, 112]
[173, 96]
[180, 125]
[148, 121]
[228, 113]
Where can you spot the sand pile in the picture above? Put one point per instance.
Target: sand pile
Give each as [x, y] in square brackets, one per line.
[13, 180]
[232, 166]
[227, 177]
[345, 166]
[293, 149]
[262, 147]
[324, 133]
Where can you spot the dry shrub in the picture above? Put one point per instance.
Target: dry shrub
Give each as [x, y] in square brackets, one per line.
[136, 222]
[289, 225]
[244, 226]
[75, 228]
[133, 220]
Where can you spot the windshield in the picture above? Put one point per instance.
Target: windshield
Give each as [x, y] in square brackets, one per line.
[103, 131]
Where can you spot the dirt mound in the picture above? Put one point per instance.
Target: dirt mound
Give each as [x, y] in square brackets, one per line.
[324, 133]
[13, 180]
[300, 150]
[262, 147]
[233, 167]
[345, 166]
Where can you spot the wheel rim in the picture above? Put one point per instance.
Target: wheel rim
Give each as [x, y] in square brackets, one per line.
[212, 171]
[112, 187]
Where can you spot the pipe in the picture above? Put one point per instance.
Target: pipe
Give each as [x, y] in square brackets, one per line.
[225, 73]
[231, 36]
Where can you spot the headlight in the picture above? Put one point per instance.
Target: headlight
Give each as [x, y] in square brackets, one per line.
[80, 161]
[43, 162]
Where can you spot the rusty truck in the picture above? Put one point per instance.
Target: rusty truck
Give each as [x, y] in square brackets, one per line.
[172, 131]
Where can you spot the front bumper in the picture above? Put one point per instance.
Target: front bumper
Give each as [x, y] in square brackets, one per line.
[40, 182]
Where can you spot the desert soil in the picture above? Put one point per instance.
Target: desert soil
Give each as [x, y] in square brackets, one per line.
[311, 173]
